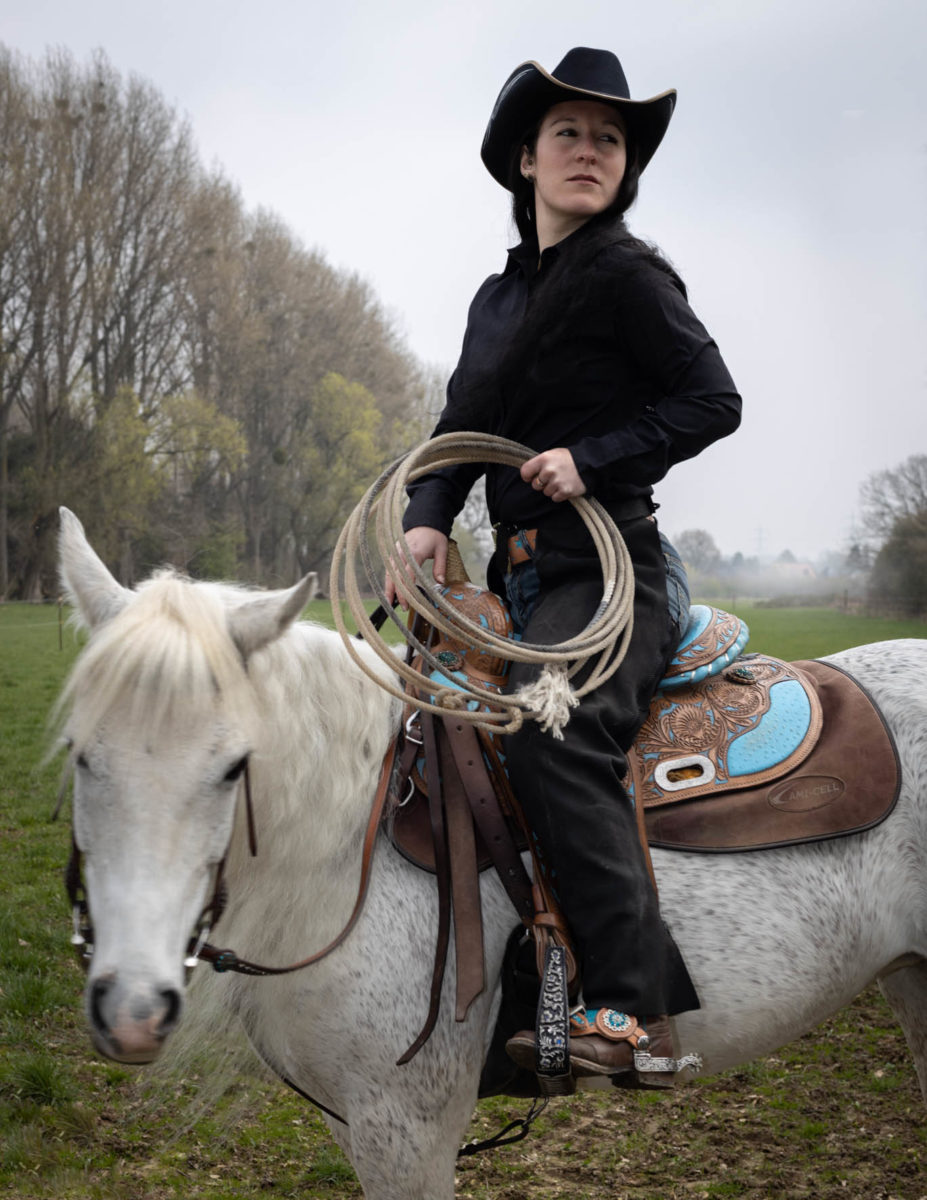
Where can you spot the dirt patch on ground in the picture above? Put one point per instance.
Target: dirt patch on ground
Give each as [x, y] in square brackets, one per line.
[837, 1115]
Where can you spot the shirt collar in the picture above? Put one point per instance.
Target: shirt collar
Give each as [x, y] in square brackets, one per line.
[525, 258]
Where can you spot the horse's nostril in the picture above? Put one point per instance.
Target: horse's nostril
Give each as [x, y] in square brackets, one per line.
[98, 992]
[172, 1000]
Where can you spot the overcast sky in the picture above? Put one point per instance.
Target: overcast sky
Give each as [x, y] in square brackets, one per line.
[790, 192]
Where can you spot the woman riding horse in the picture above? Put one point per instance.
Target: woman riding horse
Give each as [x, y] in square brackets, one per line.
[585, 348]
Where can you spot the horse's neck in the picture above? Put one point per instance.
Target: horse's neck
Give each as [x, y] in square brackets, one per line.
[325, 729]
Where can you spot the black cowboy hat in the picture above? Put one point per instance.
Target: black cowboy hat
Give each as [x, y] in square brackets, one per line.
[588, 74]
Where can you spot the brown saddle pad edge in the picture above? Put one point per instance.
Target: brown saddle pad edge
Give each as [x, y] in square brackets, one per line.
[869, 782]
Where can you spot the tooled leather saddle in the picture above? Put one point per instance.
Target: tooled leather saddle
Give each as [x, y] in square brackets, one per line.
[740, 752]
[746, 752]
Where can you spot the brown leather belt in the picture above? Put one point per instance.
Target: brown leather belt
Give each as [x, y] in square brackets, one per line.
[520, 546]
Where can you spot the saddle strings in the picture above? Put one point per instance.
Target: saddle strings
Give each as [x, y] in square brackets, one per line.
[377, 519]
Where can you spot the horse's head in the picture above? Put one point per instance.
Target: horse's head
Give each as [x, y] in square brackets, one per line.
[159, 718]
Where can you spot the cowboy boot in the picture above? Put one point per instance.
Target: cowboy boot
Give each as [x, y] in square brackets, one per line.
[606, 1042]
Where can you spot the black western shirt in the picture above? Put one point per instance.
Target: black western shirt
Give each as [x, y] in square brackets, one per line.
[631, 384]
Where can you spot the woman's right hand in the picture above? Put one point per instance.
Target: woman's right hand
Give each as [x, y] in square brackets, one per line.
[424, 543]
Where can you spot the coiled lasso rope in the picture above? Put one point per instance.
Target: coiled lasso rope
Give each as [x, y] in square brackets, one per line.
[603, 642]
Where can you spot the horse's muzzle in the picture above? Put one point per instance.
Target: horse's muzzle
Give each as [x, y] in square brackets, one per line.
[131, 1025]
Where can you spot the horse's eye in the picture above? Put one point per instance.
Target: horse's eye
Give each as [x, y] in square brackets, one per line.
[233, 774]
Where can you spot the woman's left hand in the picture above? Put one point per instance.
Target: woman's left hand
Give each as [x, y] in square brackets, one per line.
[554, 473]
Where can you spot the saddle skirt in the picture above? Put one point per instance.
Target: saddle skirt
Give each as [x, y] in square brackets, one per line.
[750, 724]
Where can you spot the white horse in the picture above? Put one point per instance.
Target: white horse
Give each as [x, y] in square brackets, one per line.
[182, 682]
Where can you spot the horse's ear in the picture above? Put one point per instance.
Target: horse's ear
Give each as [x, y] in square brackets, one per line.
[260, 619]
[89, 586]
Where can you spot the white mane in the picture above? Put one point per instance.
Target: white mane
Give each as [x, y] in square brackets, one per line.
[163, 658]
[326, 729]
[168, 657]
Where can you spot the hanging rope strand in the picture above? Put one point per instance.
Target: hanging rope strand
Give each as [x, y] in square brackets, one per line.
[378, 516]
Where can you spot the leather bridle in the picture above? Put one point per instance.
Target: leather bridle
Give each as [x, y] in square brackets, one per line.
[199, 948]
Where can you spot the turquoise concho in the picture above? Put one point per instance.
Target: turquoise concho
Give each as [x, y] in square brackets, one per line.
[615, 1022]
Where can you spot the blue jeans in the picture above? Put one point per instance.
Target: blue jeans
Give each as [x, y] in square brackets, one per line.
[677, 587]
[522, 587]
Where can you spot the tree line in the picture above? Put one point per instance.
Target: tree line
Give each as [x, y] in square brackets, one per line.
[895, 514]
[195, 383]
[885, 564]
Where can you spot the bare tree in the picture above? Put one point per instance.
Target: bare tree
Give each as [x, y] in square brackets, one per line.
[137, 165]
[895, 511]
[899, 574]
[891, 495]
[99, 203]
[142, 310]
[17, 187]
[698, 550]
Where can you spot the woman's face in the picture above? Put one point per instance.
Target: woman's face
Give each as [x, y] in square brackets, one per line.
[578, 162]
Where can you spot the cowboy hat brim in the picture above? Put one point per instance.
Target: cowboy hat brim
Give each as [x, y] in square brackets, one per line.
[530, 91]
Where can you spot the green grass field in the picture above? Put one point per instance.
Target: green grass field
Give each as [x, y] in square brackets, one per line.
[74, 1126]
[793, 633]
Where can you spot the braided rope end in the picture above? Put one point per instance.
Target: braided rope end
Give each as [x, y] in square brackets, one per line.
[549, 699]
